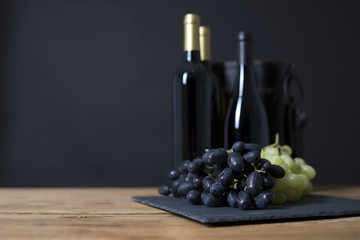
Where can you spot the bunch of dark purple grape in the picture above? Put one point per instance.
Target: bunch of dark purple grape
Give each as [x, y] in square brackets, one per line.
[235, 178]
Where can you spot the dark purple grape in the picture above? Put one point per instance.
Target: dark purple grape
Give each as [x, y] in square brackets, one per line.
[226, 176]
[249, 147]
[217, 189]
[217, 169]
[268, 181]
[213, 201]
[232, 198]
[207, 182]
[254, 183]
[174, 188]
[173, 174]
[216, 156]
[203, 195]
[190, 177]
[164, 190]
[184, 188]
[235, 161]
[182, 178]
[205, 156]
[252, 157]
[183, 166]
[244, 200]
[238, 146]
[277, 171]
[263, 200]
[196, 166]
[197, 181]
[264, 164]
[194, 197]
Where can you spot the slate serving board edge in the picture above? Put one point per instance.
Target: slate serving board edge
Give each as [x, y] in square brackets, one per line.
[312, 206]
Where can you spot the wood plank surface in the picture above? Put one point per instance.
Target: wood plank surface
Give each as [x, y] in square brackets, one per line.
[109, 213]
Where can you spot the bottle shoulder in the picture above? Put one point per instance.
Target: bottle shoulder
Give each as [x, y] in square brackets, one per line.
[190, 70]
[190, 67]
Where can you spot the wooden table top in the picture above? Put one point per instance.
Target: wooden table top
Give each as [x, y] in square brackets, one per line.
[109, 213]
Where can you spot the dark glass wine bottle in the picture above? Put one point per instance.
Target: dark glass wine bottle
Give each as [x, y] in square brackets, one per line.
[246, 118]
[193, 100]
[219, 98]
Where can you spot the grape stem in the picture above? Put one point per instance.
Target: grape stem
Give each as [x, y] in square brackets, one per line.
[277, 141]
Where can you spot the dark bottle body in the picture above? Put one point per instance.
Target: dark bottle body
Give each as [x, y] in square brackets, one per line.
[194, 109]
[217, 100]
[246, 118]
[219, 108]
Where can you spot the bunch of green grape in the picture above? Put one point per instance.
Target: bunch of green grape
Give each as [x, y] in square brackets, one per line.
[296, 182]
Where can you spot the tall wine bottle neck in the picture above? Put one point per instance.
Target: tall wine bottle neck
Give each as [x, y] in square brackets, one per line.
[191, 37]
[244, 64]
[205, 50]
[244, 48]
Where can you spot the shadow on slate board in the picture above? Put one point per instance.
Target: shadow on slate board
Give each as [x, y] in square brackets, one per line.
[309, 207]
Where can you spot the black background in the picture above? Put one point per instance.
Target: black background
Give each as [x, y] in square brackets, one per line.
[86, 85]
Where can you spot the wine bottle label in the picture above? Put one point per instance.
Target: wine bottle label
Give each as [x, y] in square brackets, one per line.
[191, 32]
[204, 34]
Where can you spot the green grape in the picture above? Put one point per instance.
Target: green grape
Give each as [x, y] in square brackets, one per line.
[288, 172]
[274, 159]
[271, 151]
[299, 194]
[280, 184]
[293, 194]
[309, 171]
[276, 186]
[308, 189]
[305, 181]
[287, 160]
[290, 194]
[286, 149]
[279, 197]
[296, 168]
[299, 161]
[294, 180]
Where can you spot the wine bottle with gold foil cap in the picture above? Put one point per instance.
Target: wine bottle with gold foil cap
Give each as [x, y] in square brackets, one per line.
[194, 104]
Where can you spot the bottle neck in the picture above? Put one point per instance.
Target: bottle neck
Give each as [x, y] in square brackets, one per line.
[243, 69]
[244, 53]
[191, 42]
[192, 56]
[204, 37]
[191, 37]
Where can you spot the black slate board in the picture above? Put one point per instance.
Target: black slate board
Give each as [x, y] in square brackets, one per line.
[310, 206]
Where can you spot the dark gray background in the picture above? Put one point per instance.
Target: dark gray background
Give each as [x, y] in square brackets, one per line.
[86, 85]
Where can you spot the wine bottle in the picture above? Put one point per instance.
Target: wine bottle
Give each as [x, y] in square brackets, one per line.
[219, 101]
[246, 118]
[193, 100]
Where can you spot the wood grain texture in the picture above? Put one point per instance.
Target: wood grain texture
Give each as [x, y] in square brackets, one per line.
[109, 213]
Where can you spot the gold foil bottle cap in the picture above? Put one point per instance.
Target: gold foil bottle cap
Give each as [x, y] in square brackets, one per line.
[204, 31]
[191, 32]
[192, 18]
[205, 52]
